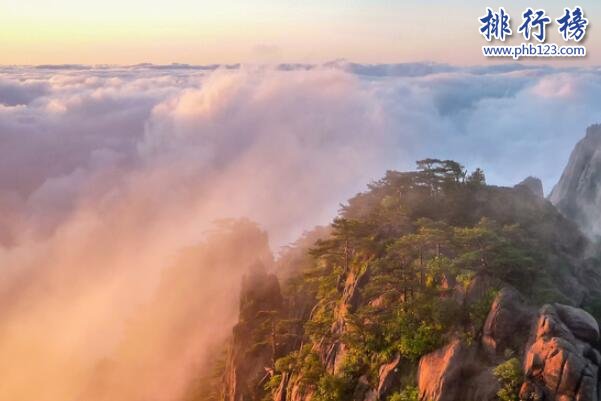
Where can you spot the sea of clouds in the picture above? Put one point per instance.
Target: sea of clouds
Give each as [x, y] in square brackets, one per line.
[106, 173]
[298, 139]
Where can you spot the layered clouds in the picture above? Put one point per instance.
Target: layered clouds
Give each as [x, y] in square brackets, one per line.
[106, 174]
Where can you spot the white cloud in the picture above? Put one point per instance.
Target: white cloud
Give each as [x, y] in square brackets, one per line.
[105, 174]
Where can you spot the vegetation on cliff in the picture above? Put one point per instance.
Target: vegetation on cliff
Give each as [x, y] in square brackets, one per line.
[407, 266]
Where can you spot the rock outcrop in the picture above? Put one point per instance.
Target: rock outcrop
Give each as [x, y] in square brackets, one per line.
[391, 287]
[290, 389]
[562, 360]
[559, 346]
[508, 323]
[249, 358]
[332, 353]
[456, 372]
[534, 185]
[439, 372]
[578, 193]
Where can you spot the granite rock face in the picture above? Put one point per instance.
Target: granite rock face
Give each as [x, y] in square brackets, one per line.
[246, 361]
[508, 323]
[562, 361]
[577, 195]
[559, 346]
[456, 372]
[439, 371]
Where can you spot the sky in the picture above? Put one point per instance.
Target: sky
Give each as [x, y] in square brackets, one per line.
[259, 31]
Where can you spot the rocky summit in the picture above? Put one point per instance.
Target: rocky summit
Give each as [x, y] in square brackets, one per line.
[431, 286]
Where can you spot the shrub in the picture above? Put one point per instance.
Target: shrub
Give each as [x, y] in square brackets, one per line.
[333, 388]
[509, 374]
[409, 393]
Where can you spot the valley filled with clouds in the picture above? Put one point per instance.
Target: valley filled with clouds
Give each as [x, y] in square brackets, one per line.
[228, 136]
[107, 173]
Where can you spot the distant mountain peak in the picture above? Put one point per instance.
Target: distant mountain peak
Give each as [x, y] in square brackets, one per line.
[577, 195]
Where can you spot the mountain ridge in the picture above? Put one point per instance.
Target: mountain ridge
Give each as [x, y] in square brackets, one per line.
[578, 192]
[429, 286]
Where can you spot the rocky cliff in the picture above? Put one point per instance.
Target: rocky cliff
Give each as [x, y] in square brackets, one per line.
[578, 193]
[430, 286]
[252, 349]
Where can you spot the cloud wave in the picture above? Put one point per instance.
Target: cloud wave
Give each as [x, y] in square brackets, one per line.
[107, 173]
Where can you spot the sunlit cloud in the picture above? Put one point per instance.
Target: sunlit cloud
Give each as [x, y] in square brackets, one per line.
[108, 175]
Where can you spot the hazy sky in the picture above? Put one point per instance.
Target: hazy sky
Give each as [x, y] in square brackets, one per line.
[226, 31]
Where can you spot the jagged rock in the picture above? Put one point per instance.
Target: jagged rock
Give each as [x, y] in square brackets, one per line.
[533, 184]
[577, 195]
[559, 365]
[248, 355]
[388, 377]
[507, 324]
[351, 295]
[281, 393]
[332, 353]
[291, 389]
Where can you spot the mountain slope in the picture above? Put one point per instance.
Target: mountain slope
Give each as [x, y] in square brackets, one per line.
[434, 286]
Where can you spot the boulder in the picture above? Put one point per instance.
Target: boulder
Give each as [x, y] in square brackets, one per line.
[439, 372]
[560, 363]
[455, 373]
[507, 324]
[479, 288]
[580, 322]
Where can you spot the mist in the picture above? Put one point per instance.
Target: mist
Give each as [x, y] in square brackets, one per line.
[119, 275]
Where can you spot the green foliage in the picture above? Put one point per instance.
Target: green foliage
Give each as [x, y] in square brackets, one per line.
[476, 178]
[305, 362]
[425, 338]
[409, 393]
[478, 312]
[273, 384]
[420, 238]
[509, 374]
[333, 388]
[497, 250]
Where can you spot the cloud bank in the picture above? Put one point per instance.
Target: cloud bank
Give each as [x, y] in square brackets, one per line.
[107, 173]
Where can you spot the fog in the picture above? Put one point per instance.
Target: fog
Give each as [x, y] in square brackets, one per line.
[116, 283]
